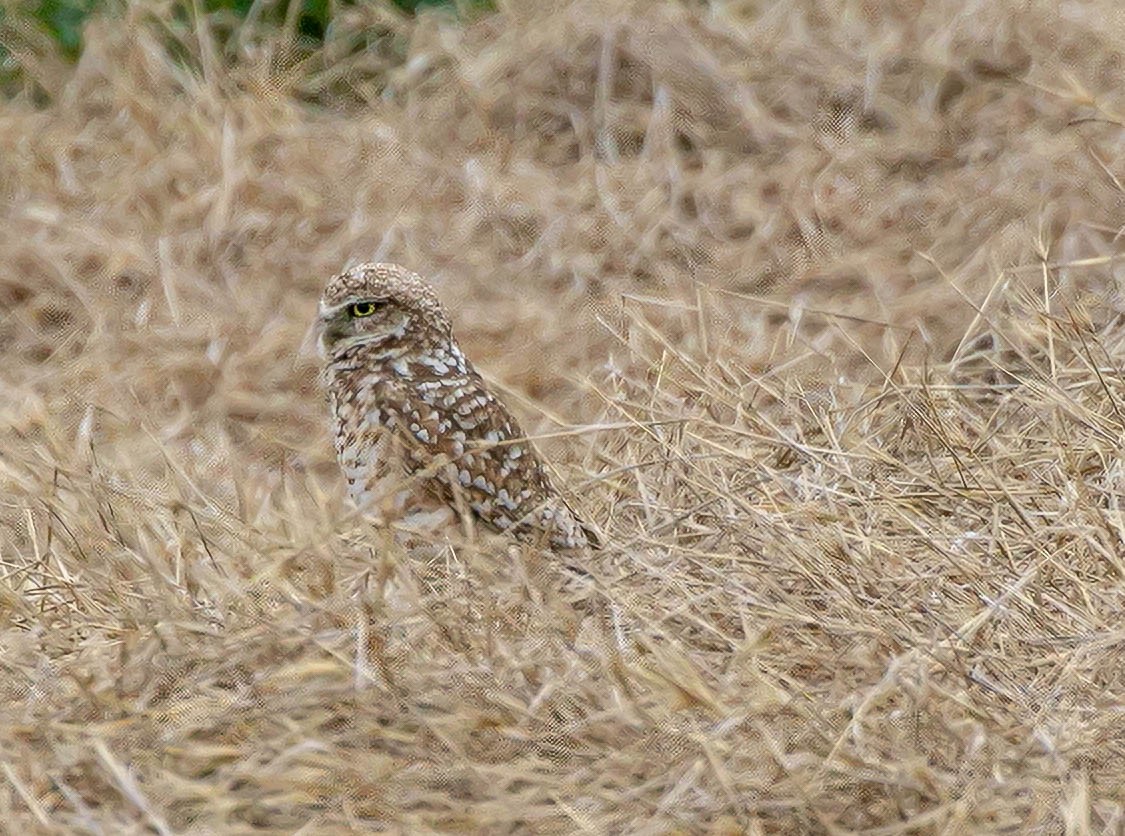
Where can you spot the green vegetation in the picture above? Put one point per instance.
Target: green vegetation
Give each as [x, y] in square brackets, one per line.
[62, 20]
[56, 26]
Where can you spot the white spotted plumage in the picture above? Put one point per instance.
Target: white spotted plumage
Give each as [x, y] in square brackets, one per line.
[407, 402]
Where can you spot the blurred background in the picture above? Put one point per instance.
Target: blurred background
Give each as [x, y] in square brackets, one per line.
[814, 304]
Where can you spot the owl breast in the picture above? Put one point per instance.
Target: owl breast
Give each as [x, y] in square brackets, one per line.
[361, 447]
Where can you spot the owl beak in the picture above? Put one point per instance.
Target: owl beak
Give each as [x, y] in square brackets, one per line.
[333, 324]
[332, 332]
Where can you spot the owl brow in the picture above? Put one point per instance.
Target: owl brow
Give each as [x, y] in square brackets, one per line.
[373, 299]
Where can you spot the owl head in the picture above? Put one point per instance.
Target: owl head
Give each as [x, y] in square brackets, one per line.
[375, 303]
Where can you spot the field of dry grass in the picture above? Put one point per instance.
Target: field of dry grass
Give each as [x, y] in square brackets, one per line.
[814, 307]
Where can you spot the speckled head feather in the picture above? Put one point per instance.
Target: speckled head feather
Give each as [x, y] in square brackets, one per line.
[385, 282]
[407, 402]
[403, 302]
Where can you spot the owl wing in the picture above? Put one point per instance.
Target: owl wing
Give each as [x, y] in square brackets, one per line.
[478, 452]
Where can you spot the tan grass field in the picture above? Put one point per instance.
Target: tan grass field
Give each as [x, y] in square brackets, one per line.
[814, 306]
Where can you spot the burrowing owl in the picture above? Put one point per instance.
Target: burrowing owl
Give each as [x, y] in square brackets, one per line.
[406, 401]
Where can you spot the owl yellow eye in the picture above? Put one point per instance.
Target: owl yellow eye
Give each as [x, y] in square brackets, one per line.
[362, 309]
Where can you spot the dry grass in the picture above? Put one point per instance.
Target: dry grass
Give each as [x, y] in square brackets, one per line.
[815, 304]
